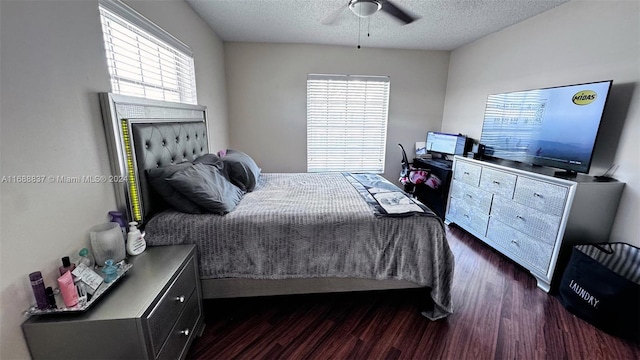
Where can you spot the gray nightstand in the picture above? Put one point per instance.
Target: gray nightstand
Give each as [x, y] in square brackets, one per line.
[153, 312]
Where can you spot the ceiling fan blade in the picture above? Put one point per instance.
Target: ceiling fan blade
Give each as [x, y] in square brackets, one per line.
[391, 9]
[333, 17]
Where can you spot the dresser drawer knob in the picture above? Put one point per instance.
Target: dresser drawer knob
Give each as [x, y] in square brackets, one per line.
[515, 242]
[180, 299]
[535, 194]
[519, 217]
[185, 332]
[466, 173]
[496, 182]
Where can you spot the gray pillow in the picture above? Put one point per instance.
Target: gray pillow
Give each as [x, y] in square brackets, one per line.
[206, 186]
[241, 170]
[210, 159]
[158, 180]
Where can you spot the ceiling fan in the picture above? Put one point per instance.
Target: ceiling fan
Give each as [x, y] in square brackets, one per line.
[366, 8]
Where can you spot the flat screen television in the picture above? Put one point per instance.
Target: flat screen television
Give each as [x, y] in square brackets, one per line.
[555, 127]
[446, 144]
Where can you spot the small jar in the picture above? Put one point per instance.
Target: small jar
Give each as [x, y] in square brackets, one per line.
[86, 258]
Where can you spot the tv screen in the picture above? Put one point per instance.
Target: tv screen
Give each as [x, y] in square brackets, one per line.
[443, 143]
[554, 127]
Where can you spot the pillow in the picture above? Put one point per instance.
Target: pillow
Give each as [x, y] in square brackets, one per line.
[210, 159]
[241, 169]
[206, 186]
[157, 178]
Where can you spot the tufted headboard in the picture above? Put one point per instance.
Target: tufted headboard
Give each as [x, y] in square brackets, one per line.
[144, 134]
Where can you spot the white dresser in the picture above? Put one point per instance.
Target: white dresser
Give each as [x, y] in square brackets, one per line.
[528, 214]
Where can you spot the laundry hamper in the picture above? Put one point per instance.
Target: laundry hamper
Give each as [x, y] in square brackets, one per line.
[601, 285]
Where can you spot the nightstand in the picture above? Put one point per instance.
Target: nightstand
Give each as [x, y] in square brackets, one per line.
[154, 312]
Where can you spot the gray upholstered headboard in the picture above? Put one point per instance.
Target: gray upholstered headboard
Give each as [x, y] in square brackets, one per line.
[144, 134]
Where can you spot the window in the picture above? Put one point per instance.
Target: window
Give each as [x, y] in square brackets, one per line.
[347, 123]
[143, 59]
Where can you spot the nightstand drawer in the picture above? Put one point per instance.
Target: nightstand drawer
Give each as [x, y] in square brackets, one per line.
[498, 182]
[184, 329]
[163, 317]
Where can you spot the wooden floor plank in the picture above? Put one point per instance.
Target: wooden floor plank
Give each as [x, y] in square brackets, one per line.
[499, 313]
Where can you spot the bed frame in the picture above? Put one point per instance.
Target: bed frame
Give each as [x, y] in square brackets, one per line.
[143, 134]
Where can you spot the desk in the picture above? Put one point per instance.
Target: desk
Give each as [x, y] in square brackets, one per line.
[435, 199]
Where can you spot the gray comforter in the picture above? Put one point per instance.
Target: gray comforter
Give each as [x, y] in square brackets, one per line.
[313, 225]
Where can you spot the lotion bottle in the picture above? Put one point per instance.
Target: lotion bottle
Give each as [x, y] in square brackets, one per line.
[135, 240]
[68, 289]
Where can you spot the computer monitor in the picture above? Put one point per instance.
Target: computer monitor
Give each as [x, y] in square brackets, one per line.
[447, 144]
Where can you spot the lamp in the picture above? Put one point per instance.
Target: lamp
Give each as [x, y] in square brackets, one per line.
[365, 8]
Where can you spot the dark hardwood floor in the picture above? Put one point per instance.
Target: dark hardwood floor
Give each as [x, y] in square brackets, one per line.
[499, 314]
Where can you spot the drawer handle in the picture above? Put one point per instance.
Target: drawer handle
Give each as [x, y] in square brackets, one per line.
[496, 182]
[515, 242]
[535, 194]
[185, 332]
[180, 298]
[465, 215]
[520, 217]
[466, 173]
[469, 195]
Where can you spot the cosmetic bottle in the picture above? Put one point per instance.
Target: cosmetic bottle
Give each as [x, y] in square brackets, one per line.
[68, 289]
[51, 299]
[135, 240]
[86, 258]
[110, 271]
[37, 285]
[67, 265]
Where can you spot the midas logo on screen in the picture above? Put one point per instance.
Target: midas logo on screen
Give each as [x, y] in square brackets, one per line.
[584, 97]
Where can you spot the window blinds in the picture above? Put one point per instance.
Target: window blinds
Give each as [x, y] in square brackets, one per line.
[346, 123]
[143, 59]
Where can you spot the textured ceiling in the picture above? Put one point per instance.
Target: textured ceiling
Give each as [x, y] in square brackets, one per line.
[443, 24]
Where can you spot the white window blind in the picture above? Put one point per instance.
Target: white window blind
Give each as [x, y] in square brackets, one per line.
[346, 123]
[143, 59]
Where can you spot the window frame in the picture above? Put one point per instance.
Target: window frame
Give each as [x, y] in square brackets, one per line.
[367, 119]
[173, 61]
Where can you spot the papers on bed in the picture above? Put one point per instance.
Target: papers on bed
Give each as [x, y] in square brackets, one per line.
[395, 202]
[385, 198]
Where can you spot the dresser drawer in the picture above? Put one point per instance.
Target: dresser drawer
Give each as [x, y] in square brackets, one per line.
[165, 314]
[184, 329]
[521, 246]
[472, 195]
[468, 216]
[541, 195]
[466, 172]
[498, 182]
[529, 221]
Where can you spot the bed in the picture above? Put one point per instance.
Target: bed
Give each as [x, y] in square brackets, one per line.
[295, 233]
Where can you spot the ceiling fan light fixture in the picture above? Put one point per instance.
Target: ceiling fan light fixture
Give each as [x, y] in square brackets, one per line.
[365, 8]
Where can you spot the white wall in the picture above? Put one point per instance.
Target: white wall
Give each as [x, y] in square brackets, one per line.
[266, 85]
[577, 42]
[52, 66]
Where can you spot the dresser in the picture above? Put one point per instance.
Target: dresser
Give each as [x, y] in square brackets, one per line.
[529, 214]
[153, 312]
